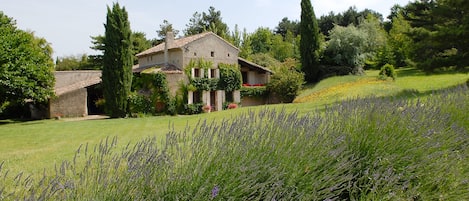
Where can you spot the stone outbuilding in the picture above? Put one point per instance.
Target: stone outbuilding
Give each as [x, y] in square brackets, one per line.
[75, 93]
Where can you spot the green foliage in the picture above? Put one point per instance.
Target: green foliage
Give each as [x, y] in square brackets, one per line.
[399, 41]
[230, 77]
[261, 40]
[266, 60]
[205, 84]
[195, 108]
[387, 71]
[165, 28]
[440, 33]
[260, 91]
[25, 66]
[118, 61]
[211, 21]
[286, 26]
[140, 104]
[285, 84]
[78, 62]
[155, 86]
[139, 44]
[346, 47]
[309, 43]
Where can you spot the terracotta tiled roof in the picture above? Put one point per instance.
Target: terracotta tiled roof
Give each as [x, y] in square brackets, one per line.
[244, 62]
[179, 43]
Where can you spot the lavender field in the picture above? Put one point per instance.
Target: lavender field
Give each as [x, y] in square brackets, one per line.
[360, 149]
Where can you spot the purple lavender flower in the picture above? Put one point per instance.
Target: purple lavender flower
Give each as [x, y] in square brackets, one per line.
[215, 191]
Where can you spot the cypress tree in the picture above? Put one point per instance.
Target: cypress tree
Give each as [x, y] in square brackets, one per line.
[117, 69]
[309, 44]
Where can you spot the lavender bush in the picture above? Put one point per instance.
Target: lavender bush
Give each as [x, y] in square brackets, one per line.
[363, 149]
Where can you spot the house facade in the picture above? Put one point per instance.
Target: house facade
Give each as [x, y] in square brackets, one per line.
[172, 56]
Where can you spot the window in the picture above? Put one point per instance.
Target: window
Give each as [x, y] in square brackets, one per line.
[195, 54]
[213, 73]
[229, 96]
[212, 53]
[228, 54]
[245, 77]
[197, 97]
[196, 72]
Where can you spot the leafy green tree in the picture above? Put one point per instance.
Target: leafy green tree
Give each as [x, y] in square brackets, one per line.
[399, 40]
[78, 62]
[165, 28]
[349, 17]
[440, 33]
[265, 59]
[246, 45]
[26, 66]
[310, 42]
[286, 26]
[139, 44]
[346, 47]
[261, 40]
[117, 70]
[211, 21]
[283, 49]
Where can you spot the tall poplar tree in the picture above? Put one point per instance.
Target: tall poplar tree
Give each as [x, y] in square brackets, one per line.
[117, 69]
[309, 44]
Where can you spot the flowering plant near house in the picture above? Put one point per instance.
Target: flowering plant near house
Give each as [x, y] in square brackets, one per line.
[206, 108]
[232, 106]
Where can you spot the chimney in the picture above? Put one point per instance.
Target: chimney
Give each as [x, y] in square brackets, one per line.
[169, 40]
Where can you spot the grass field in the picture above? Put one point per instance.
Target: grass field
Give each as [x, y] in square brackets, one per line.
[32, 146]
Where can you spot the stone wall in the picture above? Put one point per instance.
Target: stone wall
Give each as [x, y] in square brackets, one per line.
[71, 104]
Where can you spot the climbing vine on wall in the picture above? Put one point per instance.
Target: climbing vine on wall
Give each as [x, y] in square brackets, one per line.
[158, 92]
[230, 77]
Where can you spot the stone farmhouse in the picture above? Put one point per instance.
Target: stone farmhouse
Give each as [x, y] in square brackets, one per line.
[173, 55]
[77, 91]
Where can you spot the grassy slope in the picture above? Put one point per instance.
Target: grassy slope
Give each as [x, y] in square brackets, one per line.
[32, 146]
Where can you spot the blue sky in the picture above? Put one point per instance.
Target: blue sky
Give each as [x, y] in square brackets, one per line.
[68, 24]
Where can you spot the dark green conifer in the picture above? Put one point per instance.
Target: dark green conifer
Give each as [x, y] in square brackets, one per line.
[309, 44]
[117, 69]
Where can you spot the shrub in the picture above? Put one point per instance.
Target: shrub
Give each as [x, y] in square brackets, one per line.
[195, 108]
[285, 84]
[387, 71]
[139, 103]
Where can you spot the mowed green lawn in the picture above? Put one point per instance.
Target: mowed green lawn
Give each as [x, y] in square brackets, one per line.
[33, 146]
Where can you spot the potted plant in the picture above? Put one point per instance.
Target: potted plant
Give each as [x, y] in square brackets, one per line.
[206, 108]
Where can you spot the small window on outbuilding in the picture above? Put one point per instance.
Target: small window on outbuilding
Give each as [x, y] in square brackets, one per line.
[228, 54]
[195, 54]
[212, 54]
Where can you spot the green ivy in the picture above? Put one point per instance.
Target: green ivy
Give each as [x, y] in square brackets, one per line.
[230, 77]
[205, 84]
[260, 91]
[158, 85]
